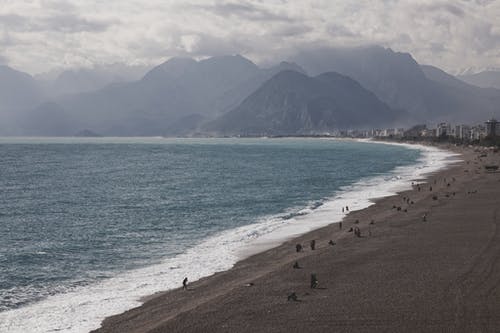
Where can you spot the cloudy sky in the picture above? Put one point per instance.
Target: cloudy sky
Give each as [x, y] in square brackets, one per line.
[39, 35]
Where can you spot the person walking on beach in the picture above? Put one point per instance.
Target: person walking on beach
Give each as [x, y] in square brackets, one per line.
[185, 283]
[313, 244]
[314, 281]
[340, 225]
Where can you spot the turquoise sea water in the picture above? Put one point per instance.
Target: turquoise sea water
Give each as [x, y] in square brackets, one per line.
[78, 212]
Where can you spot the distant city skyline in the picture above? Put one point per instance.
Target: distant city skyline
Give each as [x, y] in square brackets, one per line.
[42, 35]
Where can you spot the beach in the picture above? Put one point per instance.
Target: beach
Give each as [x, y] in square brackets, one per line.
[426, 260]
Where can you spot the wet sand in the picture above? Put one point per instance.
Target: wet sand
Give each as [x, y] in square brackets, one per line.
[403, 274]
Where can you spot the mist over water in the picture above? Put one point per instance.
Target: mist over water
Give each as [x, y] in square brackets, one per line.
[75, 213]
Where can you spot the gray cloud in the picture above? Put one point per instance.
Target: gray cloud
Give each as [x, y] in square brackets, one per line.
[72, 24]
[244, 10]
[444, 7]
[337, 30]
[63, 23]
[38, 35]
[3, 60]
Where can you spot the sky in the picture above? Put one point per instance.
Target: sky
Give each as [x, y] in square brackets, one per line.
[40, 35]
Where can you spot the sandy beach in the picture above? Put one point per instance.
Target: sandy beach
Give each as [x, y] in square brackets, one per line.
[428, 260]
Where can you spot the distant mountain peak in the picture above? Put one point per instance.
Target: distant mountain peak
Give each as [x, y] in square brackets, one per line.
[293, 103]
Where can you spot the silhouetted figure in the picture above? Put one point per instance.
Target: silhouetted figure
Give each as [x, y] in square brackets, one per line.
[430, 189]
[293, 297]
[298, 248]
[340, 225]
[424, 217]
[313, 244]
[185, 283]
[296, 265]
[342, 209]
[314, 281]
[350, 230]
[347, 208]
[357, 232]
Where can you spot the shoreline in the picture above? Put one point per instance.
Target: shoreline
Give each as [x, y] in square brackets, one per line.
[99, 301]
[253, 268]
[424, 165]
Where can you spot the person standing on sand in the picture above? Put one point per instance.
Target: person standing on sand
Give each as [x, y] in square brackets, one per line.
[340, 225]
[185, 283]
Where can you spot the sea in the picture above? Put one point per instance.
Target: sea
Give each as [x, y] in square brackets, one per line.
[89, 226]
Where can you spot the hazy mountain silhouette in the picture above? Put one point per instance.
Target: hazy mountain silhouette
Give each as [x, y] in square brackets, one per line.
[397, 79]
[74, 81]
[18, 92]
[178, 96]
[485, 79]
[293, 103]
[459, 101]
[167, 94]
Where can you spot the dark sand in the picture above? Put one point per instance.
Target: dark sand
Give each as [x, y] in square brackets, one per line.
[441, 275]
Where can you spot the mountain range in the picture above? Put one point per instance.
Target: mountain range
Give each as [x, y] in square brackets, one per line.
[294, 103]
[314, 92]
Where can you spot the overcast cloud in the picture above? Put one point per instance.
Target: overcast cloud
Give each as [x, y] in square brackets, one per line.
[39, 35]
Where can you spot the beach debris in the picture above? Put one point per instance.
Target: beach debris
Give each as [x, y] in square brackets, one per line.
[406, 210]
[292, 297]
[298, 247]
[185, 283]
[372, 221]
[434, 197]
[296, 265]
[314, 281]
[356, 222]
[369, 231]
[399, 208]
[491, 167]
[331, 242]
[313, 244]
[249, 284]
[350, 230]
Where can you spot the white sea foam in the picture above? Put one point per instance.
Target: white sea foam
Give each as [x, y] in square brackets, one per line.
[83, 309]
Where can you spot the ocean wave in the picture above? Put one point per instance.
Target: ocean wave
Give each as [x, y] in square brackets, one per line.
[83, 308]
